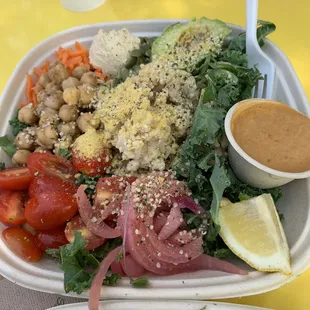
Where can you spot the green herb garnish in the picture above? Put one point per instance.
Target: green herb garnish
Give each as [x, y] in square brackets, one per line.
[140, 282]
[65, 153]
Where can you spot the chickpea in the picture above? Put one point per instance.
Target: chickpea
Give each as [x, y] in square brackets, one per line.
[68, 113]
[58, 73]
[70, 82]
[63, 144]
[79, 71]
[47, 137]
[27, 115]
[48, 116]
[37, 88]
[84, 121]
[89, 78]
[44, 79]
[54, 64]
[24, 140]
[68, 129]
[95, 122]
[71, 95]
[52, 87]
[40, 149]
[86, 94]
[54, 100]
[42, 95]
[20, 157]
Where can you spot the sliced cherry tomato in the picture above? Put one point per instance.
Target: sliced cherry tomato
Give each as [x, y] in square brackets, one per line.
[50, 210]
[92, 166]
[43, 184]
[76, 224]
[15, 178]
[12, 207]
[22, 243]
[111, 188]
[51, 239]
[51, 165]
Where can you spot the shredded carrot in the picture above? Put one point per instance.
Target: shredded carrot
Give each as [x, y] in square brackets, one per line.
[79, 46]
[71, 59]
[37, 71]
[45, 67]
[34, 99]
[78, 53]
[100, 74]
[29, 87]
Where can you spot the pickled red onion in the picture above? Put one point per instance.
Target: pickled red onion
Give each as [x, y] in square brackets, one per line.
[173, 222]
[94, 294]
[94, 222]
[188, 203]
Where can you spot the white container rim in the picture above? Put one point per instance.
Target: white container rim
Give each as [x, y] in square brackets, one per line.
[235, 145]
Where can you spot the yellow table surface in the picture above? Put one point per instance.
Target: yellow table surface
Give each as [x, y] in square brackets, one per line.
[24, 23]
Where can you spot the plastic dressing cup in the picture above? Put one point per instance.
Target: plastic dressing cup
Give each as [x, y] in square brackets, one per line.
[249, 170]
[81, 5]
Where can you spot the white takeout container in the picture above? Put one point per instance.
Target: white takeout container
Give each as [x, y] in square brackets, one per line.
[46, 275]
[158, 305]
[250, 170]
[81, 5]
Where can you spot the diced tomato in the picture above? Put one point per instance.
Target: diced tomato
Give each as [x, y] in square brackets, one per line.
[15, 178]
[111, 188]
[22, 243]
[51, 165]
[92, 166]
[76, 224]
[43, 184]
[50, 210]
[51, 239]
[12, 207]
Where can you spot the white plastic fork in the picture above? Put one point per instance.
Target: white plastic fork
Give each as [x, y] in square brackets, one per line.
[263, 88]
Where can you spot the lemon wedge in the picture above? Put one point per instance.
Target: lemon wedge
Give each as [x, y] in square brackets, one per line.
[253, 231]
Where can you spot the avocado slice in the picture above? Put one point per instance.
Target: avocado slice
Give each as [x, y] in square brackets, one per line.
[187, 44]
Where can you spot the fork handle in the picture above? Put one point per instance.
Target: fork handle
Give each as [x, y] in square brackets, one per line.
[251, 21]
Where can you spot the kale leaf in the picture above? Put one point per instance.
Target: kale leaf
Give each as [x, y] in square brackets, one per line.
[238, 43]
[91, 183]
[79, 265]
[17, 126]
[7, 146]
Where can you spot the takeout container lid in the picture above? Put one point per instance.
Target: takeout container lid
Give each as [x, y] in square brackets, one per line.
[47, 277]
[159, 305]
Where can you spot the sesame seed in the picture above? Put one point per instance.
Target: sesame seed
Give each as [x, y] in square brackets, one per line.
[137, 232]
[181, 252]
[159, 254]
[158, 265]
[151, 227]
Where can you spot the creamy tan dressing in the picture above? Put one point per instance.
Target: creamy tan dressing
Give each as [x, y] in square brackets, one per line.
[274, 134]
